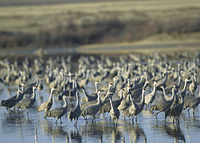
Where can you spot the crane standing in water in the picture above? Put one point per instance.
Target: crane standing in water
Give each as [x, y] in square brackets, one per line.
[114, 112]
[57, 112]
[47, 104]
[76, 112]
[12, 101]
[28, 102]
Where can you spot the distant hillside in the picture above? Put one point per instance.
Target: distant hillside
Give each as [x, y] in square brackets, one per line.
[75, 24]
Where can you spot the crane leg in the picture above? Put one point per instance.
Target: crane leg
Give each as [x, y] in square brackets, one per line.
[165, 118]
[173, 120]
[56, 121]
[178, 120]
[76, 121]
[116, 122]
[189, 109]
[193, 111]
[133, 119]
[85, 118]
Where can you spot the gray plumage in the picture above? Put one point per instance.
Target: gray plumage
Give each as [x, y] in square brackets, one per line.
[76, 112]
[149, 98]
[92, 109]
[47, 104]
[57, 112]
[88, 97]
[28, 88]
[133, 109]
[163, 81]
[107, 106]
[125, 103]
[193, 85]
[165, 102]
[12, 101]
[191, 102]
[175, 109]
[103, 99]
[114, 112]
[28, 102]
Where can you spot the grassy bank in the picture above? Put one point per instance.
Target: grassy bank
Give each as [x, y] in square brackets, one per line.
[98, 23]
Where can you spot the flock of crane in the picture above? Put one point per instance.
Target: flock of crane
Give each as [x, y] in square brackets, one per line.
[124, 85]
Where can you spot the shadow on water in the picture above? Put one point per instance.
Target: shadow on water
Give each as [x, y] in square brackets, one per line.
[172, 130]
[136, 132]
[191, 121]
[53, 130]
[17, 124]
[75, 136]
[106, 131]
[60, 131]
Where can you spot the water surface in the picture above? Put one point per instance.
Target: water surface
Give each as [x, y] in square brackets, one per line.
[20, 127]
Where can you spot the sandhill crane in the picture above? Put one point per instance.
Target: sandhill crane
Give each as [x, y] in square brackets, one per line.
[192, 103]
[114, 112]
[76, 112]
[12, 101]
[134, 108]
[193, 85]
[47, 104]
[92, 109]
[175, 110]
[57, 112]
[163, 81]
[92, 96]
[125, 103]
[140, 104]
[165, 102]
[149, 98]
[84, 80]
[136, 93]
[28, 88]
[27, 102]
[106, 107]
[183, 91]
[103, 99]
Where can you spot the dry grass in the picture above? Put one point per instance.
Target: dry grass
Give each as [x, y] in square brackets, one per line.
[44, 24]
[32, 18]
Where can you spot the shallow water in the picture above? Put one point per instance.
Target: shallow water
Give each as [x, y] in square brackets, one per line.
[32, 127]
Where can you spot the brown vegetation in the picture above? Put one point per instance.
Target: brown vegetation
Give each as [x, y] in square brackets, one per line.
[99, 31]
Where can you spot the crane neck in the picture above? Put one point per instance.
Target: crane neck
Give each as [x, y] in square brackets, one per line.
[164, 93]
[77, 100]
[145, 84]
[107, 94]
[195, 78]
[141, 79]
[65, 102]
[96, 87]
[84, 92]
[111, 104]
[142, 100]
[18, 94]
[115, 84]
[34, 95]
[121, 95]
[179, 82]
[185, 87]
[51, 95]
[132, 100]
[154, 89]
[99, 99]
